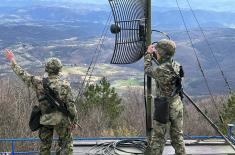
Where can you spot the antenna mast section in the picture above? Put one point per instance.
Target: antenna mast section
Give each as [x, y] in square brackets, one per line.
[149, 80]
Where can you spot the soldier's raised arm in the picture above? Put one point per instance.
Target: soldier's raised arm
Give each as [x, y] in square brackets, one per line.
[148, 61]
[27, 78]
[148, 68]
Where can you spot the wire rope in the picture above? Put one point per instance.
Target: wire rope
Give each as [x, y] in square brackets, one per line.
[210, 48]
[90, 69]
[198, 61]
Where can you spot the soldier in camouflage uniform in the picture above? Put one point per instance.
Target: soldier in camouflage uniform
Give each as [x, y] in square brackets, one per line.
[165, 75]
[51, 119]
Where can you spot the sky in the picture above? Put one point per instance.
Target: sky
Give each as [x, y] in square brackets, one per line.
[215, 5]
[202, 2]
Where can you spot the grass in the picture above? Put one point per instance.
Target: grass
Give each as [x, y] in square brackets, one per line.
[126, 77]
[125, 83]
[74, 70]
[108, 69]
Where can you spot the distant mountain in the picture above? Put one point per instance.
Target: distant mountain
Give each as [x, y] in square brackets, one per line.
[212, 5]
[209, 5]
[76, 51]
[222, 44]
[39, 32]
[93, 5]
[171, 19]
[163, 18]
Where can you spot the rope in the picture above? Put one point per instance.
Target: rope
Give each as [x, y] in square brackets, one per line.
[210, 47]
[198, 61]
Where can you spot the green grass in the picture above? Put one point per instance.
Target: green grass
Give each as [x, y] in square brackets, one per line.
[74, 70]
[107, 70]
[125, 83]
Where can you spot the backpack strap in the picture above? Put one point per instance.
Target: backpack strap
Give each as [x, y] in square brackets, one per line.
[178, 80]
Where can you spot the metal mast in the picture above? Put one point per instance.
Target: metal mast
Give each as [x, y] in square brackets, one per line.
[149, 80]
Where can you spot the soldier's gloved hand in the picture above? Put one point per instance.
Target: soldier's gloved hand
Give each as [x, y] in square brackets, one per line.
[151, 49]
[10, 55]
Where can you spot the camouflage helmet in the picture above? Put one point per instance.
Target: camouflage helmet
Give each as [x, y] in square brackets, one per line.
[167, 48]
[53, 66]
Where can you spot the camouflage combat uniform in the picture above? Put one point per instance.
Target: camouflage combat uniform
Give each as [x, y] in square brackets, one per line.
[52, 119]
[164, 74]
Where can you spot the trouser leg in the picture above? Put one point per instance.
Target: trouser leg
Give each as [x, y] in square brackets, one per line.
[176, 133]
[46, 136]
[158, 138]
[65, 144]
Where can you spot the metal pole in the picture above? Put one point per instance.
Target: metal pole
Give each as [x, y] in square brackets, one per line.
[209, 120]
[230, 131]
[149, 80]
[13, 147]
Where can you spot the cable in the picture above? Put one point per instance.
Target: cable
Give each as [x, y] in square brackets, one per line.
[198, 61]
[98, 148]
[116, 148]
[145, 102]
[139, 144]
[163, 33]
[94, 58]
[207, 42]
[101, 46]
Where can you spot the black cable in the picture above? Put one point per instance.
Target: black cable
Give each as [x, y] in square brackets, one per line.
[98, 148]
[116, 148]
[145, 103]
[163, 33]
[198, 61]
[207, 42]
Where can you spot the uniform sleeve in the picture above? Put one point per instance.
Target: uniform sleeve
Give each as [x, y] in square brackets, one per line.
[27, 78]
[148, 65]
[148, 68]
[70, 103]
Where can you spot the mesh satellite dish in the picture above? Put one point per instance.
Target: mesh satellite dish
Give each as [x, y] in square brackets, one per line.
[130, 30]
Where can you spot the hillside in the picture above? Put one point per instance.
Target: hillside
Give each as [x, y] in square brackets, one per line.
[41, 31]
